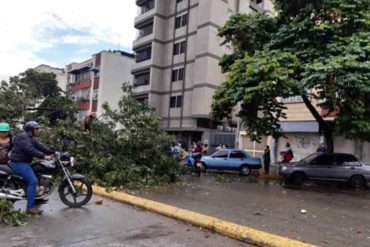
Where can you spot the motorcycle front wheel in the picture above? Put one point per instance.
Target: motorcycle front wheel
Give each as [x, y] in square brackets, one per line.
[82, 195]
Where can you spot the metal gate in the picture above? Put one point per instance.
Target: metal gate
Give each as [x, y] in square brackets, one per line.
[218, 138]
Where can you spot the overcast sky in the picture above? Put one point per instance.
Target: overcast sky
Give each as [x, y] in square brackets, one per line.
[57, 32]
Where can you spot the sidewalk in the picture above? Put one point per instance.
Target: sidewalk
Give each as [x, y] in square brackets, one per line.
[274, 173]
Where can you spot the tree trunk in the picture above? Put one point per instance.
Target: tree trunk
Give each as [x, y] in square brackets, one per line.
[323, 125]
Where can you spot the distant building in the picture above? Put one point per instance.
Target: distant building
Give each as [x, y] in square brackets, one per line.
[61, 76]
[98, 80]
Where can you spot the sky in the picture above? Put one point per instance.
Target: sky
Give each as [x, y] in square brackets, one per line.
[57, 32]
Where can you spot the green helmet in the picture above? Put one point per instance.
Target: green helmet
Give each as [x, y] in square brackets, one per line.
[4, 127]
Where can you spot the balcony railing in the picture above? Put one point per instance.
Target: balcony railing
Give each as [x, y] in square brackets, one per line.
[79, 85]
[84, 105]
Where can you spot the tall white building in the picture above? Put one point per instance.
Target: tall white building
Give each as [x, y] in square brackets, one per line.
[98, 80]
[177, 59]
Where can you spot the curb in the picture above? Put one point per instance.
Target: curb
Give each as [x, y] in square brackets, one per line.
[239, 232]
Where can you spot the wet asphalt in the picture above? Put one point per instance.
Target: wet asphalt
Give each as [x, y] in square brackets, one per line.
[110, 225]
[332, 214]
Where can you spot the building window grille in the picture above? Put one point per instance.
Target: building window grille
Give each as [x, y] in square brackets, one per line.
[143, 54]
[146, 30]
[142, 79]
[147, 6]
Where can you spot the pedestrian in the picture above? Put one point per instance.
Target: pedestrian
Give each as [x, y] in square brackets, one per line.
[267, 159]
[197, 154]
[218, 148]
[5, 143]
[205, 149]
[287, 154]
[321, 148]
[224, 146]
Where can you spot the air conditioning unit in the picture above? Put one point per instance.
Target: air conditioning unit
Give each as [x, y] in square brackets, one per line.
[220, 128]
[228, 129]
[234, 129]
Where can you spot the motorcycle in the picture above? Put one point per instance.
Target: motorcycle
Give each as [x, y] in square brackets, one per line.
[193, 166]
[74, 190]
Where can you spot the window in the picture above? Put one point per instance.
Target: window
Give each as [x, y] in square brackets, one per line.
[221, 154]
[176, 101]
[179, 48]
[181, 21]
[95, 94]
[149, 5]
[323, 160]
[146, 30]
[347, 160]
[237, 155]
[82, 76]
[177, 75]
[142, 79]
[143, 54]
[143, 100]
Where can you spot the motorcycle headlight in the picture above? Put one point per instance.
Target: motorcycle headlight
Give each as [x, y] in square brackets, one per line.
[283, 168]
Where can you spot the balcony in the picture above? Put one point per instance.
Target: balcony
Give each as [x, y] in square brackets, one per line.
[79, 85]
[84, 104]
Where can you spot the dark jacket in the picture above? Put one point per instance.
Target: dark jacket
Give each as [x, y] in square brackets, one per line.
[25, 148]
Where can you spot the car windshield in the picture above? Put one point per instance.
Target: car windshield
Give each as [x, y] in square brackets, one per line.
[309, 158]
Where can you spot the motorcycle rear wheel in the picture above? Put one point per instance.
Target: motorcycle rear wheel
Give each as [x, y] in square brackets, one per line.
[83, 191]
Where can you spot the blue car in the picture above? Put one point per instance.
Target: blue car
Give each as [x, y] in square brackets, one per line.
[233, 160]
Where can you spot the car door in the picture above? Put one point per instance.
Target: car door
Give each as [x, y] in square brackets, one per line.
[322, 167]
[235, 159]
[218, 160]
[347, 165]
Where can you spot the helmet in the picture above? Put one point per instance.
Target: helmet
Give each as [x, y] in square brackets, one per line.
[5, 127]
[31, 125]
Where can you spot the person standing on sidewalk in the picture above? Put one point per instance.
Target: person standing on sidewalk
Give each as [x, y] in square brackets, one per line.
[25, 148]
[267, 159]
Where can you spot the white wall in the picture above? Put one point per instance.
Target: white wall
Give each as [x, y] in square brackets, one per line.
[114, 71]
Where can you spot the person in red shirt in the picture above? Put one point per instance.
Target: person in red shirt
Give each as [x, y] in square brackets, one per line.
[287, 154]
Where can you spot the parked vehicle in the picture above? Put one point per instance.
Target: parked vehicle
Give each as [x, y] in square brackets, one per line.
[327, 166]
[74, 190]
[232, 160]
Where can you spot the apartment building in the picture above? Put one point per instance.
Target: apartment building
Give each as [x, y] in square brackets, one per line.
[60, 73]
[98, 80]
[177, 56]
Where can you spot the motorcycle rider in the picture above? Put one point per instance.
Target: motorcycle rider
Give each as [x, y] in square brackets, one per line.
[197, 154]
[25, 148]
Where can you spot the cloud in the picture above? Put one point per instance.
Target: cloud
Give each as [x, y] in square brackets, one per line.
[29, 28]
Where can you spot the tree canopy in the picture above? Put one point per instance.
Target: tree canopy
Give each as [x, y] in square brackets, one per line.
[34, 95]
[318, 49]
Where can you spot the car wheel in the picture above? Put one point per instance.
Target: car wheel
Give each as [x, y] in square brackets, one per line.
[298, 178]
[357, 182]
[245, 170]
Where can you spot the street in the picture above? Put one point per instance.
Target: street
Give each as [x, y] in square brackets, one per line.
[111, 224]
[333, 214]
